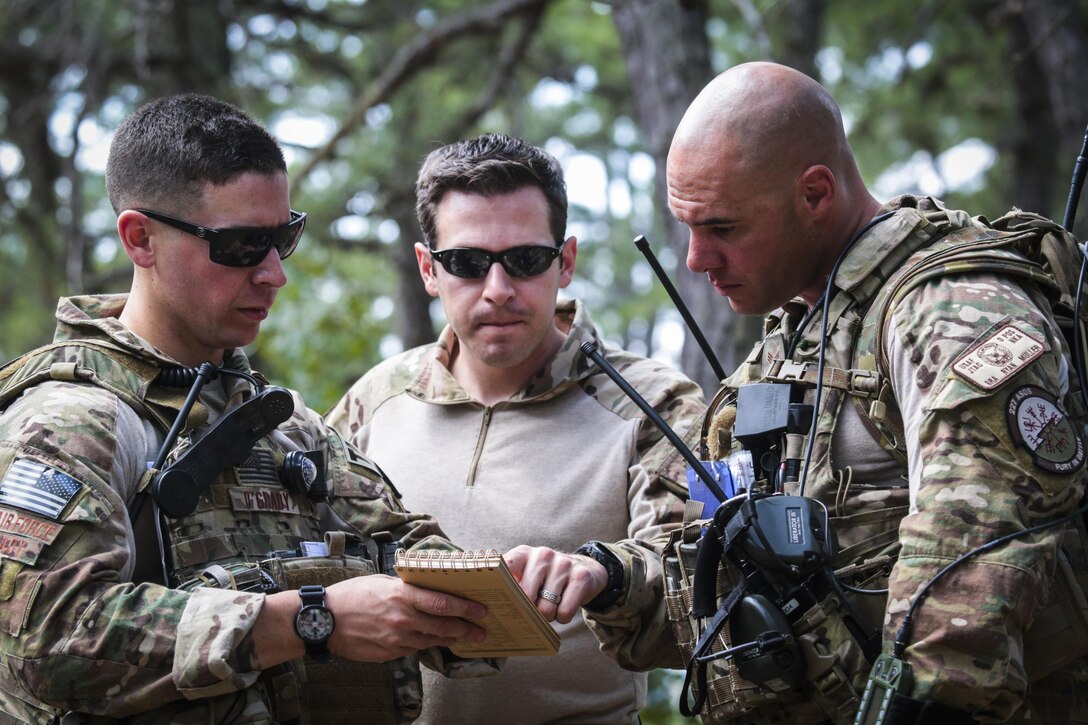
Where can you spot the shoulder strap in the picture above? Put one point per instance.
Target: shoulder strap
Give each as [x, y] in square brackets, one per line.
[958, 253]
[100, 363]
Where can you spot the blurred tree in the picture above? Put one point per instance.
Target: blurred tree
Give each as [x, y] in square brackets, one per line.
[978, 102]
[354, 88]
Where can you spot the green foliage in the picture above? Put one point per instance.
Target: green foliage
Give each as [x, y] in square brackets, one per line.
[914, 80]
[661, 699]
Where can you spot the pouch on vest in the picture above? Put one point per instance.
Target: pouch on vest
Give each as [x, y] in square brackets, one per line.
[828, 648]
[305, 692]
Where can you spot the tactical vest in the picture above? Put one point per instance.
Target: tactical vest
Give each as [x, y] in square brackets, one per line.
[866, 518]
[245, 533]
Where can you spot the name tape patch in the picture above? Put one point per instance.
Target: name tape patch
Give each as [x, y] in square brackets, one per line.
[20, 548]
[998, 357]
[253, 498]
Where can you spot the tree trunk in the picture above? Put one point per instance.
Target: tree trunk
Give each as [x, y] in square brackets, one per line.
[414, 324]
[667, 54]
[1049, 69]
[803, 23]
[1035, 136]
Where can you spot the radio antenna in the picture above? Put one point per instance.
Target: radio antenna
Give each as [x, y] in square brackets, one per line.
[644, 247]
[1080, 169]
[590, 351]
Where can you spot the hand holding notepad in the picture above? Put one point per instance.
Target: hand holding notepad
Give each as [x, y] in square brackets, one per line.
[514, 626]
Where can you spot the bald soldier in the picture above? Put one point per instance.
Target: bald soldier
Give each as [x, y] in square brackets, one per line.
[948, 417]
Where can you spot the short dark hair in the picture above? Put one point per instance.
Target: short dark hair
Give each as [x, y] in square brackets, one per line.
[167, 150]
[490, 165]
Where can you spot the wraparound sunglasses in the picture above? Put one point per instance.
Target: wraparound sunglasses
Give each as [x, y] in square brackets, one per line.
[472, 263]
[240, 246]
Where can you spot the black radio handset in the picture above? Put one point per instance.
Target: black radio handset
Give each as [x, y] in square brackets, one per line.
[177, 487]
[226, 443]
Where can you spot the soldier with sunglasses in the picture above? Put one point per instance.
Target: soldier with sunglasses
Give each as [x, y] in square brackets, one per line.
[512, 437]
[119, 604]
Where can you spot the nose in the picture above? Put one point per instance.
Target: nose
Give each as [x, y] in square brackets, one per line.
[270, 271]
[701, 253]
[498, 287]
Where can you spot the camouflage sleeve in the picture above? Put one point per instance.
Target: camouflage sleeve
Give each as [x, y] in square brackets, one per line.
[980, 378]
[75, 633]
[340, 417]
[635, 630]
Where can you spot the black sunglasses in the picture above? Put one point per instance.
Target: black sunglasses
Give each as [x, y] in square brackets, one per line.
[241, 246]
[472, 263]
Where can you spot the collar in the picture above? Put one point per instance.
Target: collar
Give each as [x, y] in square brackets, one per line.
[95, 317]
[914, 222]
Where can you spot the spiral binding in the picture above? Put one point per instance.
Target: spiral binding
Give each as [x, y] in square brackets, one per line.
[432, 559]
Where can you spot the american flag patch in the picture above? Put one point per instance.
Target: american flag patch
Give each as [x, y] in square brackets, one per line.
[259, 469]
[34, 487]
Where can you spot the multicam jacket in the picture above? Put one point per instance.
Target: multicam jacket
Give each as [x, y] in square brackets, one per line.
[77, 633]
[978, 375]
[568, 459]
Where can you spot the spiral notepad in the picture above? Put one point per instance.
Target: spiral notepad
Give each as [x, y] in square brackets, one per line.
[514, 626]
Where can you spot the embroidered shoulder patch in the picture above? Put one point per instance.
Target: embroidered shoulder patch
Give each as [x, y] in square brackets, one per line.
[39, 489]
[21, 524]
[1037, 423]
[20, 548]
[998, 357]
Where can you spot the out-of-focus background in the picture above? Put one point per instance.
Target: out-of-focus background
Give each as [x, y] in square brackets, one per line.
[982, 103]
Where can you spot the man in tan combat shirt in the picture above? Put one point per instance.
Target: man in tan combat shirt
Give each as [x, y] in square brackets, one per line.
[505, 430]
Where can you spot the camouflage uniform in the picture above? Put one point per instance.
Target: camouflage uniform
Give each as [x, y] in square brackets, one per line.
[568, 459]
[77, 631]
[990, 441]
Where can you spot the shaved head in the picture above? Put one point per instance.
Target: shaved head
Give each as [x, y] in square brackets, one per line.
[766, 116]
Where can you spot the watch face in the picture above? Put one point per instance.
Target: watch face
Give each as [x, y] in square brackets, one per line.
[314, 624]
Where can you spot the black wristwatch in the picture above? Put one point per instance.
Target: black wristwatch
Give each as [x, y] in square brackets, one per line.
[314, 622]
[611, 563]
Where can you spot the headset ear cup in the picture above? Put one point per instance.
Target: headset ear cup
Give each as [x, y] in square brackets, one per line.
[756, 618]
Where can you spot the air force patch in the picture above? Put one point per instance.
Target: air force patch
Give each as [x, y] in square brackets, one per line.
[1037, 423]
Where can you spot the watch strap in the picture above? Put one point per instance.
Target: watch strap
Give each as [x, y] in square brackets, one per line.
[614, 589]
[313, 595]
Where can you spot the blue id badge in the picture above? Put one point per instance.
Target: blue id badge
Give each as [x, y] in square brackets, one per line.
[698, 491]
[733, 475]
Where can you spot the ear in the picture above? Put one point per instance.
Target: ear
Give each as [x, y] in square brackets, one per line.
[134, 230]
[566, 261]
[817, 188]
[426, 268]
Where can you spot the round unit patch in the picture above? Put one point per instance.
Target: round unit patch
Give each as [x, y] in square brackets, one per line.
[1037, 423]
